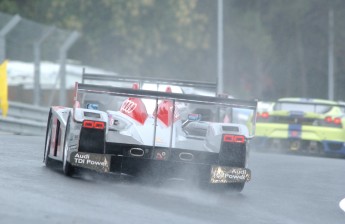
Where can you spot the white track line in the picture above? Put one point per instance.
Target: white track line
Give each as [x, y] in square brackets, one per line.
[342, 204]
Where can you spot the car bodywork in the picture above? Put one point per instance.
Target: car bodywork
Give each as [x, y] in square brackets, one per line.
[303, 125]
[109, 130]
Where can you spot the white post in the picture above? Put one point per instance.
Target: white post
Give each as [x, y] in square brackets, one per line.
[62, 72]
[3, 32]
[220, 47]
[37, 71]
[331, 54]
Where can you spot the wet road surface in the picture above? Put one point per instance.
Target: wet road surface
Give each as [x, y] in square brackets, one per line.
[283, 189]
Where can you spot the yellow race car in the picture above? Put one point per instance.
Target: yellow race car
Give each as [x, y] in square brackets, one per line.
[305, 125]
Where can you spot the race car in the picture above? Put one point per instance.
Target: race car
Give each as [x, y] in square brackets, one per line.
[109, 130]
[309, 126]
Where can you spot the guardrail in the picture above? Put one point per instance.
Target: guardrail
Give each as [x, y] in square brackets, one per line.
[27, 111]
[22, 127]
[24, 119]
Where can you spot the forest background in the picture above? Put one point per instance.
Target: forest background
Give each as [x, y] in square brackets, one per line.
[272, 48]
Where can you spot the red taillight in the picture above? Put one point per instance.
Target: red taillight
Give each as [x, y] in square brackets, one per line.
[98, 125]
[93, 124]
[234, 138]
[337, 120]
[328, 119]
[239, 139]
[228, 138]
[88, 124]
[265, 115]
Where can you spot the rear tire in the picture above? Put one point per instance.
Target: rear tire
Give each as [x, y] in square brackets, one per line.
[47, 160]
[67, 168]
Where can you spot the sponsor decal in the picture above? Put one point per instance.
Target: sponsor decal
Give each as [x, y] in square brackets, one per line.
[72, 147]
[73, 137]
[223, 174]
[160, 154]
[98, 162]
[194, 117]
[159, 140]
[128, 106]
[294, 133]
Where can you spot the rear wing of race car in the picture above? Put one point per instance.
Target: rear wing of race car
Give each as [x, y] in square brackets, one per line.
[103, 96]
[315, 104]
[89, 78]
[119, 91]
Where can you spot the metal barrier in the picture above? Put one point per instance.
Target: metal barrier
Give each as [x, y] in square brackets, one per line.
[25, 40]
[24, 119]
[22, 127]
[27, 111]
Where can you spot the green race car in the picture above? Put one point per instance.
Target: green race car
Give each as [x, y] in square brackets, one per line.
[305, 125]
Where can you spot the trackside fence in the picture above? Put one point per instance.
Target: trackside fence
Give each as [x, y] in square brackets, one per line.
[24, 119]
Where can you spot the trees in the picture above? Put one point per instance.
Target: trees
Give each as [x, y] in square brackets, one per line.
[140, 37]
[272, 48]
[289, 40]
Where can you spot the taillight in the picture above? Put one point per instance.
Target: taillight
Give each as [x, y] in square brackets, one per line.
[98, 125]
[328, 119]
[88, 124]
[228, 138]
[337, 120]
[234, 138]
[93, 124]
[333, 122]
[263, 115]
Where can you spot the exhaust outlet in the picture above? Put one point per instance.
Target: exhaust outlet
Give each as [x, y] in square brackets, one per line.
[137, 152]
[186, 156]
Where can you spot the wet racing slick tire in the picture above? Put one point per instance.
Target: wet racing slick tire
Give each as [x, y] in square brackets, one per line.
[67, 168]
[47, 160]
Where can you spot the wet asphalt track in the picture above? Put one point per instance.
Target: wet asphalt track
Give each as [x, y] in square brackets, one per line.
[284, 189]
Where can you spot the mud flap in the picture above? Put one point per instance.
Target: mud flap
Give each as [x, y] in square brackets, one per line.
[97, 162]
[224, 174]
